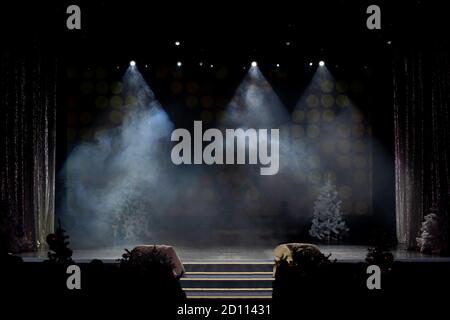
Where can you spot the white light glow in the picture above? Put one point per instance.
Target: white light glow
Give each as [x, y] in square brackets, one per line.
[254, 64]
[132, 63]
[321, 63]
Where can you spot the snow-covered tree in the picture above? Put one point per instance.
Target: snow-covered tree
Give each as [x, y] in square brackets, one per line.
[430, 240]
[328, 223]
[132, 217]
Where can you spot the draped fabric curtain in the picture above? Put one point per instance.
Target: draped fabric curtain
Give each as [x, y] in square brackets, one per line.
[422, 153]
[27, 147]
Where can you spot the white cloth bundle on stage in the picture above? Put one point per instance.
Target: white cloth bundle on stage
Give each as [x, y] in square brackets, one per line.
[142, 252]
[284, 252]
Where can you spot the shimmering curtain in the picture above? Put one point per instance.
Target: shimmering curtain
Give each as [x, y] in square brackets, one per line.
[27, 147]
[421, 101]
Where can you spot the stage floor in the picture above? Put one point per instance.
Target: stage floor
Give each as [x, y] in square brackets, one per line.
[343, 253]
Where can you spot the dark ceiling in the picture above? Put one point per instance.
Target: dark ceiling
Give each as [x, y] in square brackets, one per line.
[225, 30]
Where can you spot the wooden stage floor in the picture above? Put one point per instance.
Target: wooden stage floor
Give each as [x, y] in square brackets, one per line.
[342, 253]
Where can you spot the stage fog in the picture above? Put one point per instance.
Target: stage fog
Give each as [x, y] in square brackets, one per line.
[119, 185]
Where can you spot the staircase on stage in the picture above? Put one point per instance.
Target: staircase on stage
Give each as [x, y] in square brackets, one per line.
[237, 279]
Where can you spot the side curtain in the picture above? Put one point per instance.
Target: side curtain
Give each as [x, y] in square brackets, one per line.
[422, 140]
[27, 147]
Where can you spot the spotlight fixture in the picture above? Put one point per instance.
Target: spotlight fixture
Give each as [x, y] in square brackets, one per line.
[321, 63]
[278, 65]
[288, 43]
[179, 64]
[200, 64]
[310, 64]
[132, 63]
[212, 66]
[254, 64]
[177, 43]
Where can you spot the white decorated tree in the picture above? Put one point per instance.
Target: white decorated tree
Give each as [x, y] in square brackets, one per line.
[431, 233]
[328, 223]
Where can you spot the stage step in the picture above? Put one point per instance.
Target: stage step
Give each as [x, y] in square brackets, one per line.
[228, 279]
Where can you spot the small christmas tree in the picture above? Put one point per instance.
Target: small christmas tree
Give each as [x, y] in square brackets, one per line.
[431, 233]
[328, 223]
[58, 244]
